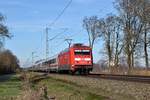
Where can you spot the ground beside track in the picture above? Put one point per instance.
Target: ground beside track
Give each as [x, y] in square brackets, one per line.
[115, 90]
[12, 88]
[63, 90]
[68, 87]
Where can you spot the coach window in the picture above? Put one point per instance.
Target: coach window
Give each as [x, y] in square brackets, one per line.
[82, 52]
[52, 61]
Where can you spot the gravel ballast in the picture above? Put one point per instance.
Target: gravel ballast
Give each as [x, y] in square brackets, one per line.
[115, 90]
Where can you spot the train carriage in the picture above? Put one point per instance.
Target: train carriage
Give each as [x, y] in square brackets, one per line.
[52, 63]
[77, 58]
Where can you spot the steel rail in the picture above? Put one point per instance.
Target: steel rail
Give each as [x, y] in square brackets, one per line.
[131, 78]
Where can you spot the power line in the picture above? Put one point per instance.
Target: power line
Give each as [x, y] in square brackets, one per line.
[47, 40]
[61, 13]
[57, 46]
[52, 23]
[58, 34]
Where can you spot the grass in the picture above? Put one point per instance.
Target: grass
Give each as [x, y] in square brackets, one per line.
[62, 90]
[10, 87]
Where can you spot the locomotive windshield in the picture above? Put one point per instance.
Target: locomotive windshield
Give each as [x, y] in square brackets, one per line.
[82, 52]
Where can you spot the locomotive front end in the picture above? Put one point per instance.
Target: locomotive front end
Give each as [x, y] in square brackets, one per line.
[82, 59]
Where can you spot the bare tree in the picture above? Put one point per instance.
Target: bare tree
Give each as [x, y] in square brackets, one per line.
[90, 24]
[110, 29]
[118, 39]
[143, 11]
[3, 30]
[132, 28]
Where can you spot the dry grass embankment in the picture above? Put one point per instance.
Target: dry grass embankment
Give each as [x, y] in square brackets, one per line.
[115, 90]
[37, 86]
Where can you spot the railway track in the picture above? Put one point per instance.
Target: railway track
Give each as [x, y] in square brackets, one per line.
[131, 78]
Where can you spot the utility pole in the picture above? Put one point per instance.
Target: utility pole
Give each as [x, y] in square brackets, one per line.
[69, 42]
[33, 58]
[47, 43]
[33, 61]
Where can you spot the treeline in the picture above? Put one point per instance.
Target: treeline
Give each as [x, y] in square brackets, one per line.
[8, 61]
[126, 35]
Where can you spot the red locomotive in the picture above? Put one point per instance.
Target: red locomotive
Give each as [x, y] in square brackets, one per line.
[77, 58]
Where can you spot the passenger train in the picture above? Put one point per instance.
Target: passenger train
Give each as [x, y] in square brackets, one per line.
[77, 58]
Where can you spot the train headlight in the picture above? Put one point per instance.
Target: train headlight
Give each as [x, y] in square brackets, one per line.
[77, 59]
[87, 59]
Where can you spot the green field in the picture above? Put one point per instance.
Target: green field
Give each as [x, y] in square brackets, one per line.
[11, 87]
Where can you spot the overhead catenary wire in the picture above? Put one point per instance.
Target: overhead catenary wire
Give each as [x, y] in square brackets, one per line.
[54, 21]
[58, 35]
[27, 61]
[60, 14]
[51, 24]
[58, 45]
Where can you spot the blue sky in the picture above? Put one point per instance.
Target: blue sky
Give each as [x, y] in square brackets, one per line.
[27, 20]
